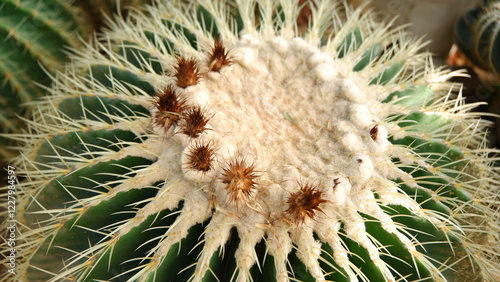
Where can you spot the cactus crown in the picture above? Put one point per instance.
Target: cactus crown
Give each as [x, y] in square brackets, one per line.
[218, 135]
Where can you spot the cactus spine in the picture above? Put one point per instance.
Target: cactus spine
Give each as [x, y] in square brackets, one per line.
[210, 140]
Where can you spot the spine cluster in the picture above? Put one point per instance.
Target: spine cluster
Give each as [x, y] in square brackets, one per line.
[304, 203]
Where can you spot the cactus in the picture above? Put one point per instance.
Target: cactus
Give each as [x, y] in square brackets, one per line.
[212, 140]
[35, 36]
[477, 35]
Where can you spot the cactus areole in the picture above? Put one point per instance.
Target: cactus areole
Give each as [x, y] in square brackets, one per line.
[223, 141]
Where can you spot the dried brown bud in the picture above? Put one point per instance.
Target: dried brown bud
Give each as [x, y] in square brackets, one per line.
[201, 157]
[239, 179]
[195, 120]
[304, 203]
[186, 72]
[374, 132]
[169, 106]
[218, 57]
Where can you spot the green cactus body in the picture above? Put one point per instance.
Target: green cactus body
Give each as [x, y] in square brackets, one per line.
[477, 35]
[209, 141]
[36, 37]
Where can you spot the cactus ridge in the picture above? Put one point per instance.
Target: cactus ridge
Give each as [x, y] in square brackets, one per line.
[338, 153]
[36, 37]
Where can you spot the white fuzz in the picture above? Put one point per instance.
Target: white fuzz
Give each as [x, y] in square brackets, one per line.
[291, 113]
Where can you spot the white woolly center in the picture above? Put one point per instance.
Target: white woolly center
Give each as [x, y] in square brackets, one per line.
[297, 116]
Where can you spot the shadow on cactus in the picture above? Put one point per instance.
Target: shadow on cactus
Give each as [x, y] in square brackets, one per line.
[211, 141]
